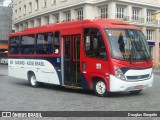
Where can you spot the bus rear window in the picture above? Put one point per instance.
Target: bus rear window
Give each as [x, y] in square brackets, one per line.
[14, 45]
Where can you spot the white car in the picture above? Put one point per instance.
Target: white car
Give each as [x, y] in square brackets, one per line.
[4, 61]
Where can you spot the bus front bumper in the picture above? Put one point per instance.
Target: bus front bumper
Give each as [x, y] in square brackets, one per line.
[117, 85]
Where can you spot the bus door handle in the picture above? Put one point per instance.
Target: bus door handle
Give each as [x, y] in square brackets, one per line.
[22, 67]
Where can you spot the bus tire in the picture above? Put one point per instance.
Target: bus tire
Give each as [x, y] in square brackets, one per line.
[135, 92]
[32, 80]
[100, 88]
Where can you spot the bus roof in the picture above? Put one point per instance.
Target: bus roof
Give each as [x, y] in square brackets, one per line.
[107, 23]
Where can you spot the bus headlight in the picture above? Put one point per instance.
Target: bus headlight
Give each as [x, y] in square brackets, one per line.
[119, 74]
[151, 73]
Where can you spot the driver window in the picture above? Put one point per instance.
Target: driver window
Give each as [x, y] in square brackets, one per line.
[94, 44]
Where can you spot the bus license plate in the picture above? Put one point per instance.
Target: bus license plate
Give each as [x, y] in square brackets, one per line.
[138, 87]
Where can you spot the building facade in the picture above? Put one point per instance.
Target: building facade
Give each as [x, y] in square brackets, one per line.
[5, 23]
[142, 13]
[1, 2]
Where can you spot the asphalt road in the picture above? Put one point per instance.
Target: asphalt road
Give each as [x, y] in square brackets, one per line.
[17, 95]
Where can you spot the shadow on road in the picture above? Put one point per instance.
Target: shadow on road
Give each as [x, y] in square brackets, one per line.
[124, 94]
[77, 91]
[53, 87]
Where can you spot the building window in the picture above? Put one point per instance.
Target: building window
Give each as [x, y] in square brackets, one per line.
[24, 9]
[53, 2]
[36, 4]
[104, 12]
[56, 18]
[47, 20]
[149, 34]
[15, 14]
[44, 3]
[25, 26]
[135, 14]
[68, 16]
[80, 14]
[30, 7]
[38, 22]
[19, 12]
[149, 16]
[120, 12]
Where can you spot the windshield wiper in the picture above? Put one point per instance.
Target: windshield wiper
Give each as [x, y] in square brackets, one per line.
[140, 51]
[131, 59]
[144, 55]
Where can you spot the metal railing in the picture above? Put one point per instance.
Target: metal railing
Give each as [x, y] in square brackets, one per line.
[137, 20]
[152, 21]
[101, 17]
[125, 18]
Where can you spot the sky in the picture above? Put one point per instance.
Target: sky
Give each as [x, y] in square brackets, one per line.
[6, 2]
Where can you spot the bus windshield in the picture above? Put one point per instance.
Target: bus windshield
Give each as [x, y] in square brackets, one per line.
[127, 44]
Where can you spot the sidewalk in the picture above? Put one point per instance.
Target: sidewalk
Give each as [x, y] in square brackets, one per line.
[156, 70]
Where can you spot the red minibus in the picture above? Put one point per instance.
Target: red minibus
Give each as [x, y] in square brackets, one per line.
[102, 55]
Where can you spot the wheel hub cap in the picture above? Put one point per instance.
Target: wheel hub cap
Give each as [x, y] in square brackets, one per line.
[100, 87]
[33, 80]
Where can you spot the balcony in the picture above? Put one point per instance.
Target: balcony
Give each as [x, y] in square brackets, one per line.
[102, 16]
[121, 17]
[151, 21]
[144, 21]
[137, 20]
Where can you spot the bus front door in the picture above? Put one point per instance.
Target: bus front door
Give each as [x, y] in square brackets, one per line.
[71, 56]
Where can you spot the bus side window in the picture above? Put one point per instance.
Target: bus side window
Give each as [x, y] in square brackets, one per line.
[27, 44]
[94, 44]
[14, 45]
[44, 43]
[56, 42]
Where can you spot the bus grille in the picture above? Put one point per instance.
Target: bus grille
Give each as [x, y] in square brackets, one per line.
[138, 77]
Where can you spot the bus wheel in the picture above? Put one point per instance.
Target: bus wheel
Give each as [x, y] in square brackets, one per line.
[33, 81]
[135, 92]
[100, 88]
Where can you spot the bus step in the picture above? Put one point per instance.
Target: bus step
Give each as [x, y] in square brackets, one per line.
[73, 87]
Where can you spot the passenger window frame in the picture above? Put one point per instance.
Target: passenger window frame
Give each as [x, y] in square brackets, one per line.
[101, 50]
[18, 46]
[21, 45]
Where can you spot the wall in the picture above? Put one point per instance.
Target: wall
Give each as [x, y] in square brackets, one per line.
[5, 24]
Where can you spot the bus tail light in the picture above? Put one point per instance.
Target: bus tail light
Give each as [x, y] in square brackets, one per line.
[119, 74]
